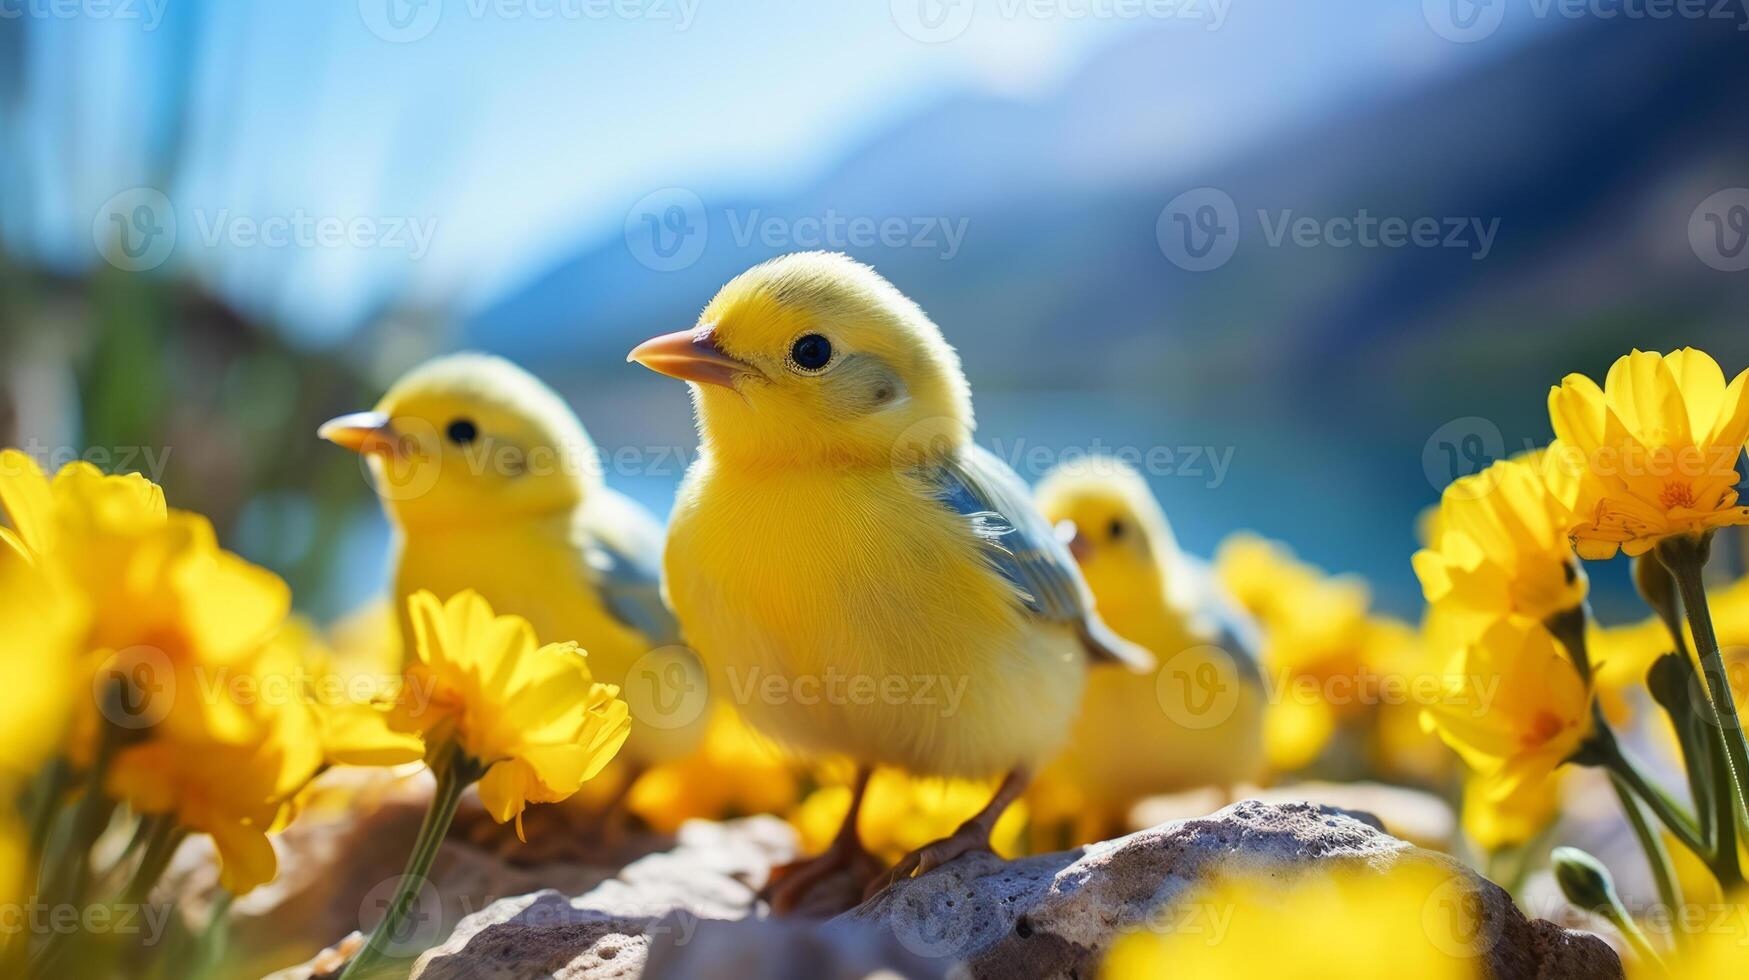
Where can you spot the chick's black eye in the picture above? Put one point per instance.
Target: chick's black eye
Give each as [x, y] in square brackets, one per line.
[811, 352]
[1116, 530]
[461, 432]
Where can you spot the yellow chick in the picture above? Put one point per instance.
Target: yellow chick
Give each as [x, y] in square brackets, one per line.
[867, 582]
[493, 485]
[1199, 722]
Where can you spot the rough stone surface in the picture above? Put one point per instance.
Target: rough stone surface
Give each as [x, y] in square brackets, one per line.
[674, 914]
[1055, 915]
[712, 873]
[1416, 816]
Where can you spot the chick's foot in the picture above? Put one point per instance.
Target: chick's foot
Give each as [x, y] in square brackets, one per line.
[791, 884]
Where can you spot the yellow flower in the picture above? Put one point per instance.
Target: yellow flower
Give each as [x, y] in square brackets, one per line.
[901, 813]
[530, 716]
[1621, 656]
[1495, 820]
[1655, 450]
[343, 710]
[733, 772]
[1356, 925]
[1721, 947]
[1513, 706]
[1316, 648]
[166, 603]
[38, 623]
[367, 639]
[231, 792]
[239, 792]
[1500, 546]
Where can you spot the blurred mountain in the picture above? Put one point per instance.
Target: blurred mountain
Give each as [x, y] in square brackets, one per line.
[1610, 125]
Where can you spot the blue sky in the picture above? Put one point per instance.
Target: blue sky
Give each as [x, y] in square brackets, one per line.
[520, 128]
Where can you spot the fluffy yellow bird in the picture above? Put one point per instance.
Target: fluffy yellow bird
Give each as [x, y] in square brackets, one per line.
[839, 526]
[1199, 722]
[494, 485]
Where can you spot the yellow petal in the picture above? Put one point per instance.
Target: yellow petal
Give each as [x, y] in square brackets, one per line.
[359, 735]
[1702, 386]
[246, 858]
[25, 497]
[1642, 393]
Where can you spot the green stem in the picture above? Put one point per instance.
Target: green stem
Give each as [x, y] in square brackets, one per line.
[1684, 556]
[1657, 856]
[210, 948]
[1630, 930]
[1670, 813]
[68, 879]
[454, 774]
[162, 838]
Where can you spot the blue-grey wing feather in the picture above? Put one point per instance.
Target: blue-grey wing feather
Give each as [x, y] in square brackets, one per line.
[1021, 546]
[622, 546]
[1235, 630]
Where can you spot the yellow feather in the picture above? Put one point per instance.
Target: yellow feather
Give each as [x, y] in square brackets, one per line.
[802, 551]
[1199, 722]
[510, 515]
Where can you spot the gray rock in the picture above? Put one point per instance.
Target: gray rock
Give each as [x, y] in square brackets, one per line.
[1055, 915]
[788, 949]
[674, 914]
[711, 874]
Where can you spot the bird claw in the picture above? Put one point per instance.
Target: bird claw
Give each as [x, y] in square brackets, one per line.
[790, 884]
[966, 840]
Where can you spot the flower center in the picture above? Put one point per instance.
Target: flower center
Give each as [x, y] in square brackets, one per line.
[1543, 727]
[1677, 494]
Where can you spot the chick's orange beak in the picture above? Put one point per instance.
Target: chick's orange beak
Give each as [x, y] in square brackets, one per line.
[690, 355]
[364, 433]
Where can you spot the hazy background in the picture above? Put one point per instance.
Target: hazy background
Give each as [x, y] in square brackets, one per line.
[223, 222]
